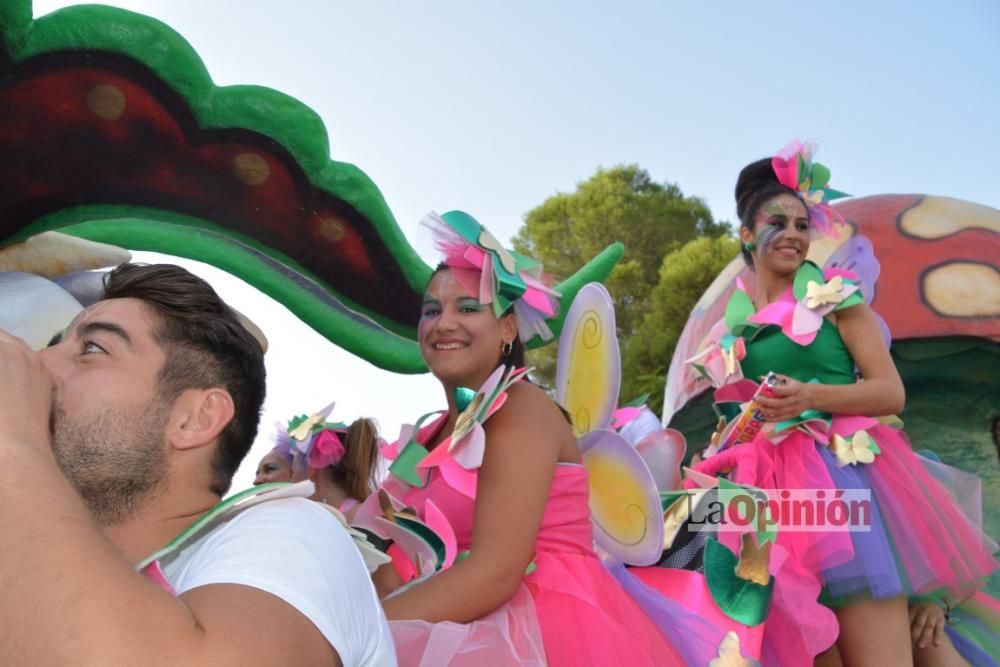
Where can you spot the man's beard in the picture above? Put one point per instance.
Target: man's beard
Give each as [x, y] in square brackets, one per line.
[115, 460]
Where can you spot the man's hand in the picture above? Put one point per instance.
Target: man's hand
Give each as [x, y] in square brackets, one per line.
[25, 396]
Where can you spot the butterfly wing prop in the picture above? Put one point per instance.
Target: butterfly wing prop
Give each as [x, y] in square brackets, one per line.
[588, 374]
[624, 502]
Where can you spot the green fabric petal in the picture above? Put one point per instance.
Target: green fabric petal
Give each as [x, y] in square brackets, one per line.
[509, 286]
[405, 465]
[808, 415]
[294, 422]
[501, 304]
[853, 300]
[463, 396]
[668, 498]
[464, 224]
[738, 309]
[426, 534]
[806, 274]
[741, 600]
[872, 445]
[819, 176]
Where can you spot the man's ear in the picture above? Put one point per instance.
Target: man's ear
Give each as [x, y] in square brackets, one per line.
[198, 417]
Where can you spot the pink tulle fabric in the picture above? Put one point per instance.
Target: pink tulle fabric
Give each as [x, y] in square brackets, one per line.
[934, 544]
[509, 635]
[570, 600]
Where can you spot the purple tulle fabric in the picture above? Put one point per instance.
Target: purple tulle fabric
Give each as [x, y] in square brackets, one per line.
[695, 639]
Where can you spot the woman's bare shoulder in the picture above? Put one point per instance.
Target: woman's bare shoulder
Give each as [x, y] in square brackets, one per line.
[529, 406]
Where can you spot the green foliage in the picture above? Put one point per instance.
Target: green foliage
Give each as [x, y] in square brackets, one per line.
[684, 276]
[620, 203]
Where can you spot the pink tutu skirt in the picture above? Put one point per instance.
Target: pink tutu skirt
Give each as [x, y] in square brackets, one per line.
[920, 541]
[569, 612]
[509, 636]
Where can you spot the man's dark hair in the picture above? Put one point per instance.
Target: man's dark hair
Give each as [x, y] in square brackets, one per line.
[205, 346]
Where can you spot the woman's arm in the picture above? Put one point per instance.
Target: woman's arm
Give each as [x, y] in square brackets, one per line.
[881, 393]
[522, 447]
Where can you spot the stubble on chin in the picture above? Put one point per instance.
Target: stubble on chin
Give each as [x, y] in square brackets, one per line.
[115, 460]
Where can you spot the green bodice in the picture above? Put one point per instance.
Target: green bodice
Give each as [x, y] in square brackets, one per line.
[826, 359]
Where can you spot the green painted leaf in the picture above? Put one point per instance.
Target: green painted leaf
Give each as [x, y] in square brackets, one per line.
[739, 599]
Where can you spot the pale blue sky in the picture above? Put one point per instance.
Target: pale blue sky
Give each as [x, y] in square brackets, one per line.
[492, 107]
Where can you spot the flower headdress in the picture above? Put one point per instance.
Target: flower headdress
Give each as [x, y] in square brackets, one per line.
[312, 442]
[795, 169]
[496, 275]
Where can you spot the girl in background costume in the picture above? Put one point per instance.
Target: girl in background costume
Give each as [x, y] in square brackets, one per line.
[813, 328]
[521, 584]
[340, 460]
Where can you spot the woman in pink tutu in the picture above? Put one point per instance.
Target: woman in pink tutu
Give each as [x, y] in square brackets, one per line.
[522, 584]
[812, 327]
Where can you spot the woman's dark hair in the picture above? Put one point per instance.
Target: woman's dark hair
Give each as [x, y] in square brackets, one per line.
[355, 473]
[756, 184]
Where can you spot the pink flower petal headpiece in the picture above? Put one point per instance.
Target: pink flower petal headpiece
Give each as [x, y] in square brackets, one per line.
[496, 276]
[312, 442]
[795, 169]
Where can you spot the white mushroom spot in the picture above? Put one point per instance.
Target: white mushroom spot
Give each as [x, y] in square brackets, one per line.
[938, 217]
[963, 289]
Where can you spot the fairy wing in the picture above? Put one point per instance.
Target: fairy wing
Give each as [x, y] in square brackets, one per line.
[588, 372]
[624, 501]
[857, 255]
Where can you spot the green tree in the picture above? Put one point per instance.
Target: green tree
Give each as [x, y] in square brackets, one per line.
[620, 203]
[685, 274]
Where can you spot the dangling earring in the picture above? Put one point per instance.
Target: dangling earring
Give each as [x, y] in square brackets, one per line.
[506, 348]
[750, 247]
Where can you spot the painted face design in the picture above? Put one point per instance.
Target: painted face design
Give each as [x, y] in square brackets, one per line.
[781, 234]
[777, 214]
